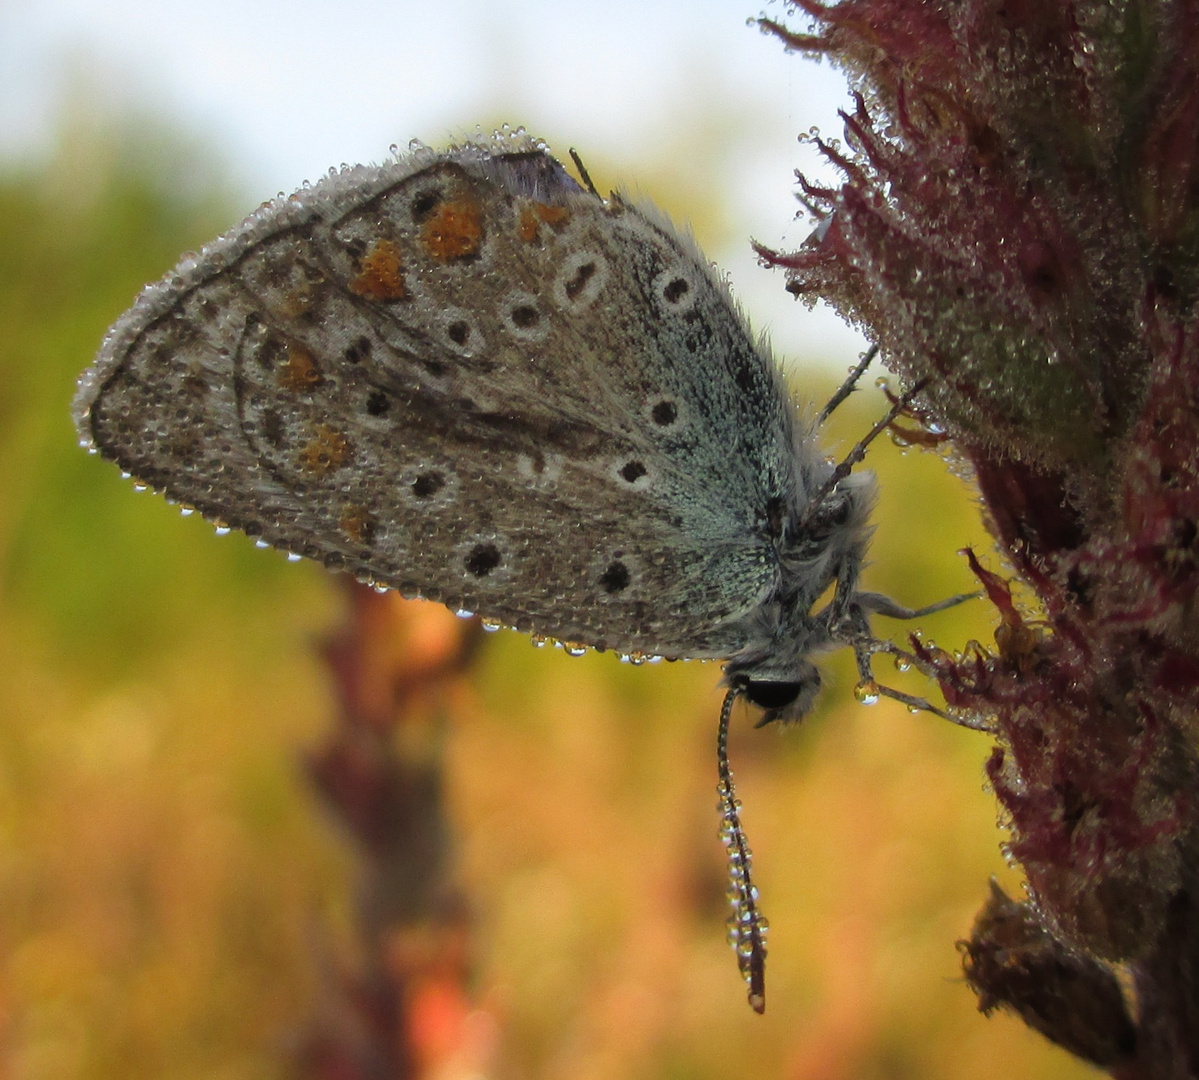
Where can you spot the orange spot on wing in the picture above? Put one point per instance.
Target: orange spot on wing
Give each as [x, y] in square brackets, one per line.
[299, 371]
[533, 215]
[453, 231]
[298, 300]
[527, 228]
[357, 523]
[328, 449]
[552, 215]
[380, 273]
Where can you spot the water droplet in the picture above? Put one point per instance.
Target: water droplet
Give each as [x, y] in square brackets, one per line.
[867, 692]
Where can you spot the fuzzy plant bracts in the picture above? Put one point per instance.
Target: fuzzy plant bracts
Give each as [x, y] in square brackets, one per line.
[1018, 224]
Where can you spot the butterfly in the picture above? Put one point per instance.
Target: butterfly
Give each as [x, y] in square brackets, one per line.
[464, 375]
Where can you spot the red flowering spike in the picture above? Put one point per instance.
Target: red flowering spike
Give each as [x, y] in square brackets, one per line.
[1018, 224]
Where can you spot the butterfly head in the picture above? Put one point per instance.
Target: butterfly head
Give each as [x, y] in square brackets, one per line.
[787, 700]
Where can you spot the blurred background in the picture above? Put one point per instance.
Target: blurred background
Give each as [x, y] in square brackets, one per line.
[254, 823]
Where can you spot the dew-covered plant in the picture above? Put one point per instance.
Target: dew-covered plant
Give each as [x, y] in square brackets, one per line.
[1018, 224]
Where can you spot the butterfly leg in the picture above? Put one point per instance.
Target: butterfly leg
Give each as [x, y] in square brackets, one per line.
[850, 383]
[864, 652]
[884, 605]
[855, 631]
[846, 597]
[857, 453]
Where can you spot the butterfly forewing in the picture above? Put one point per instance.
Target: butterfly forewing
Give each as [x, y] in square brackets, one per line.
[462, 376]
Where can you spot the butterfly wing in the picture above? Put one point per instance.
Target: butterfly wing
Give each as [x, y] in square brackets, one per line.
[462, 376]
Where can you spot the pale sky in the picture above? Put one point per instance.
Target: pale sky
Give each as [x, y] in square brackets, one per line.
[686, 93]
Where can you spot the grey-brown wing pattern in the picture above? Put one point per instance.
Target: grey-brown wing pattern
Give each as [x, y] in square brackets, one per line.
[462, 376]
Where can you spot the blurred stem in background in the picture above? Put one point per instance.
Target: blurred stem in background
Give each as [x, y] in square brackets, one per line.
[407, 1010]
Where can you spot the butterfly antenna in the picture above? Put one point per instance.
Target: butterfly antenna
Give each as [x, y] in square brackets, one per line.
[747, 926]
[574, 156]
[849, 385]
[857, 453]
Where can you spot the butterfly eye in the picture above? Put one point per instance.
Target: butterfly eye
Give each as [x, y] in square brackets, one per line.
[772, 695]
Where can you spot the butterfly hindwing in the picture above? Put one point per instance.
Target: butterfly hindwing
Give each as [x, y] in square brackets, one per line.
[463, 376]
